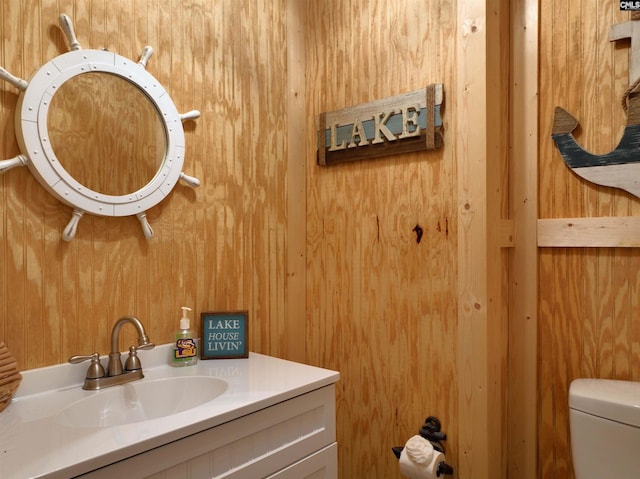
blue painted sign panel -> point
(225, 335)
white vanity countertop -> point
(33, 444)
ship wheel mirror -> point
(100, 133)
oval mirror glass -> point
(106, 133)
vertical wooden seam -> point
(522, 371)
(295, 322)
(497, 203)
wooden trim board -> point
(522, 381)
(603, 232)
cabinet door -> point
(252, 446)
(319, 465)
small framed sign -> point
(224, 335)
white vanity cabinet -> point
(293, 439)
(273, 419)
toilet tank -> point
(605, 428)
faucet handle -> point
(96, 370)
(133, 362)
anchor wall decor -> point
(620, 168)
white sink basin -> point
(141, 401)
(54, 429)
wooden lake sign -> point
(399, 124)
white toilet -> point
(605, 428)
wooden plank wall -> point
(588, 297)
(376, 305)
(385, 310)
(382, 308)
(221, 247)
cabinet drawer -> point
(319, 465)
(251, 446)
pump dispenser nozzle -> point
(185, 323)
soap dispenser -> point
(185, 352)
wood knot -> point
(418, 230)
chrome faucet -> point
(115, 374)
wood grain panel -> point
(381, 307)
(375, 304)
(586, 304)
(220, 247)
